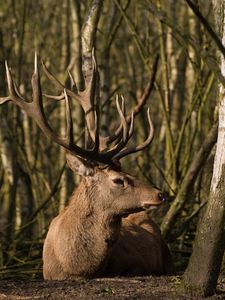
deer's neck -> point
(92, 233)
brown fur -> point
(140, 249)
(92, 238)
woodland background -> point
(134, 40)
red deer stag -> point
(104, 230)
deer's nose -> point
(162, 197)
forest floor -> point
(115, 288)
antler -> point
(101, 151)
(86, 100)
(36, 111)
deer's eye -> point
(118, 181)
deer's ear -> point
(79, 165)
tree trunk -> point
(204, 266)
(88, 37)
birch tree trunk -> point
(204, 266)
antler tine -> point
(121, 111)
(36, 86)
(124, 139)
(36, 109)
(17, 91)
(69, 121)
(9, 83)
(12, 87)
(140, 104)
(57, 98)
(59, 86)
(123, 126)
(72, 81)
(51, 77)
(4, 100)
(9, 80)
(96, 140)
(131, 130)
(146, 143)
(14, 94)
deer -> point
(105, 230)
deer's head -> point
(99, 161)
(115, 191)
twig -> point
(206, 25)
(44, 204)
(49, 197)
